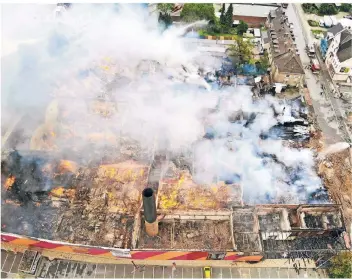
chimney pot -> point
(149, 206)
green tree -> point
(192, 12)
(164, 14)
(165, 19)
(345, 7)
(165, 7)
(241, 51)
(263, 63)
(328, 9)
(341, 266)
(242, 28)
(229, 17)
(310, 8)
(222, 15)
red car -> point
(315, 66)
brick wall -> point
(251, 20)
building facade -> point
(338, 56)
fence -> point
(39, 244)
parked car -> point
(207, 272)
(310, 50)
(315, 66)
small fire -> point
(66, 165)
(9, 182)
(12, 202)
(62, 192)
(58, 192)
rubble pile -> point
(193, 234)
(336, 171)
(182, 193)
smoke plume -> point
(120, 54)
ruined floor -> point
(182, 193)
(336, 171)
(98, 209)
(190, 235)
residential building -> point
(338, 58)
(286, 66)
(254, 15)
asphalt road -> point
(325, 107)
(11, 262)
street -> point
(325, 107)
(11, 262)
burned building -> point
(79, 180)
(134, 199)
(102, 206)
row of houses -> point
(286, 66)
(277, 39)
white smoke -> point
(152, 108)
(334, 148)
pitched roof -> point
(346, 35)
(282, 44)
(280, 33)
(289, 62)
(345, 49)
(265, 37)
(336, 29)
(250, 10)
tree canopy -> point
(341, 265)
(228, 17)
(194, 11)
(241, 50)
(345, 7)
(165, 18)
(242, 28)
(263, 63)
(310, 8)
(164, 14)
(222, 15)
(328, 9)
(165, 7)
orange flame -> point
(58, 192)
(12, 202)
(66, 165)
(9, 182)
(62, 192)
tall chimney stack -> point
(149, 206)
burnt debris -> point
(34, 172)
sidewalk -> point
(327, 80)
